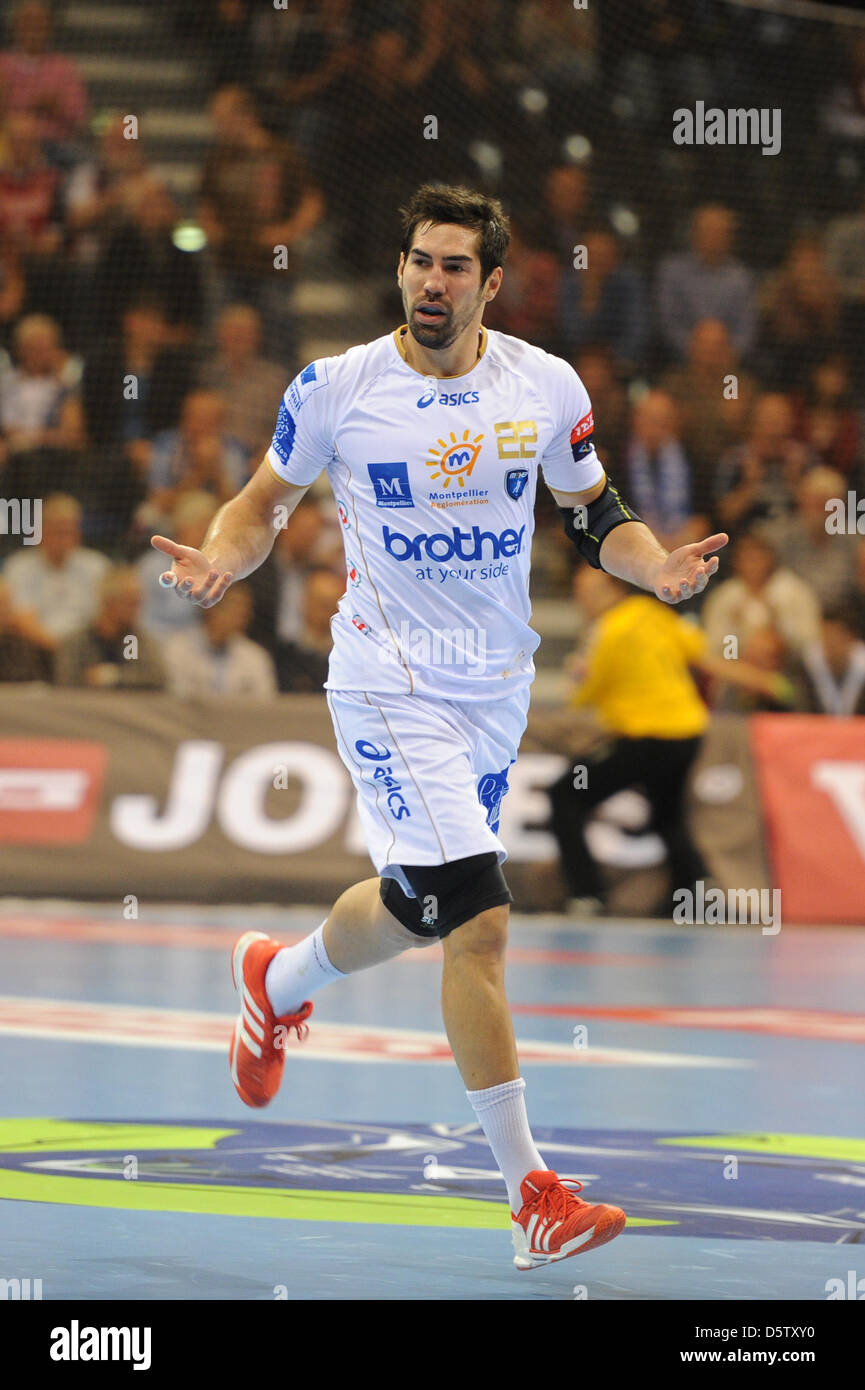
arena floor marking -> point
(180, 936)
(779, 1022)
(127, 1025)
(423, 1175)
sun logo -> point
(455, 460)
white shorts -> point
(430, 774)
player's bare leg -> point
(360, 931)
(549, 1222)
(474, 1003)
(275, 982)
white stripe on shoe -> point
(253, 1008)
(249, 1042)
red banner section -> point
(49, 790)
(811, 773)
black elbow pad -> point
(587, 525)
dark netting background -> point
(147, 335)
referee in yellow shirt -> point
(636, 675)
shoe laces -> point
(552, 1202)
(295, 1022)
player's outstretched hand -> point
(191, 575)
(685, 573)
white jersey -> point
(435, 480)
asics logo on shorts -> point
(384, 777)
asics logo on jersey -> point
(448, 398)
(464, 545)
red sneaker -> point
(554, 1224)
(257, 1052)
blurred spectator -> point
(217, 658)
(110, 653)
(654, 48)
(831, 675)
(842, 113)
(250, 385)
(140, 251)
(659, 476)
(198, 455)
(766, 650)
(845, 257)
(566, 208)
(31, 210)
(21, 659)
(98, 190)
(604, 303)
(300, 52)
(757, 480)
(131, 391)
(256, 195)
(558, 48)
(826, 420)
(526, 306)
(707, 282)
(369, 153)
(760, 594)
(452, 65)
(827, 562)
(635, 673)
(161, 613)
(594, 366)
(41, 419)
(304, 543)
(800, 311)
(714, 398)
(854, 598)
(13, 289)
(46, 85)
(302, 665)
(55, 585)
(224, 32)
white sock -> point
(296, 972)
(501, 1111)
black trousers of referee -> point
(658, 767)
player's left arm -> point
(631, 551)
(605, 530)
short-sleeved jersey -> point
(435, 481)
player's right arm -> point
(239, 539)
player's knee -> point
(448, 896)
(486, 934)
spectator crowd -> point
(713, 302)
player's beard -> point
(445, 334)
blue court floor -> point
(706, 1079)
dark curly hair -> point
(462, 207)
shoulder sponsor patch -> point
(582, 428)
(307, 381)
(283, 435)
(581, 437)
